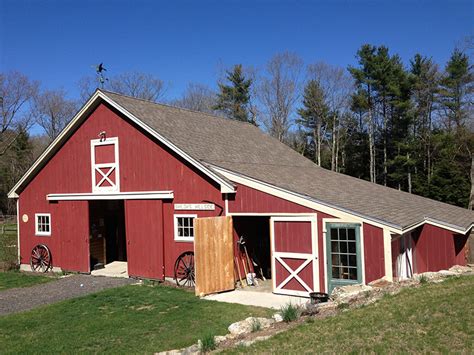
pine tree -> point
(314, 115)
(233, 99)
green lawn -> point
(11, 279)
(130, 319)
(432, 318)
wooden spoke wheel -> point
(40, 260)
(184, 269)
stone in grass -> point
(247, 325)
(347, 294)
(277, 318)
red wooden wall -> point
(373, 253)
(436, 249)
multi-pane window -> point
(344, 253)
(43, 224)
(184, 227)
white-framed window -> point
(43, 224)
(105, 165)
(184, 227)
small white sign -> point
(195, 206)
(24, 218)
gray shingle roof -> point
(245, 149)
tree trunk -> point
(318, 143)
(409, 174)
(333, 151)
(471, 198)
(371, 148)
(385, 171)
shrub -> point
(256, 325)
(423, 279)
(342, 306)
(289, 312)
(208, 343)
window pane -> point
(180, 221)
(351, 234)
(353, 274)
(334, 247)
(335, 260)
(352, 260)
(352, 247)
(336, 273)
(334, 234)
(342, 234)
(343, 246)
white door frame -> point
(313, 257)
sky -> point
(59, 42)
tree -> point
(52, 111)
(139, 85)
(197, 97)
(279, 90)
(233, 99)
(314, 115)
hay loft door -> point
(213, 255)
(105, 165)
(295, 263)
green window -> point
(343, 254)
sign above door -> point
(194, 207)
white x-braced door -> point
(295, 264)
(105, 165)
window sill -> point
(43, 235)
(181, 240)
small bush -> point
(289, 312)
(256, 325)
(342, 306)
(208, 343)
(423, 279)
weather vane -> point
(100, 69)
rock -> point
(459, 269)
(248, 325)
(446, 273)
(380, 283)
(238, 328)
(327, 306)
(277, 318)
(219, 339)
(347, 294)
(310, 309)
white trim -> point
(387, 254)
(39, 233)
(226, 205)
(321, 206)
(139, 195)
(225, 186)
(175, 222)
(270, 214)
(113, 167)
(362, 246)
(312, 257)
(18, 229)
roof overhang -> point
(97, 98)
(138, 195)
(334, 210)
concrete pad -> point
(114, 269)
(259, 299)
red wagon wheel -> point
(40, 258)
(184, 269)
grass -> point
(435, 318)
(12, 279)
(129, 319)
(208, 343)
(289, 312)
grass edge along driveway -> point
(13, 279)
(432, 318)
(129, 319)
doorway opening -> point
(107, 240)
(253, 256)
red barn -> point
(126, 179)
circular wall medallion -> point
(24, 218)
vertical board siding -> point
(436, 249)
(373, 253)
(293, 237)
(144, 237)
(213, 255)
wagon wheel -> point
(184, 269)
(40, 258)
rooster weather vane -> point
(100, 69)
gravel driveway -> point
(22, 299)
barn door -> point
(213, 255)
(105, 165)
(294, 255)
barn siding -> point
(144, 166)
(437, 249)
(373, 253)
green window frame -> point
(343, 256)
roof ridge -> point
(177, 107)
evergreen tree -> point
(314, 115)
(233, 99)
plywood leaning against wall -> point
(213, 255)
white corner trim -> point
(175, 222)
(225, 187)
(139, 195)
(39, 233)
(387, 255)
(18, 230)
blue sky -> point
(57, 42)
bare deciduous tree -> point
(279, 90)
(15, 91)
(337, 86)
(197, 97)
(52, 111)
(140, 85)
